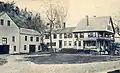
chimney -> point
(64, 25)
(94, 16)
(87, 20)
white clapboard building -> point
(95, 33)
(61, 38)
(16, 39)
(91, 33)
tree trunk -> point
(51, 35)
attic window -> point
(8, 23)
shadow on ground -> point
(3, 61)
(69, 59)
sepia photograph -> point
(59, 36)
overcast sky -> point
(78, 8)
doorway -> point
(60, 43)
(4, 49)
(32, 48)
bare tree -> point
(56, 13)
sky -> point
(77, 9)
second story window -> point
(37, 39)
(76, 35)
(70, 35)
(60, 36)
(47, 36)
(92, 34)
(2, 22)
(8, 23)
(81, 35)
(31, 38)
(65, 35)
(25, 38)
(54, 36)
(13, 39)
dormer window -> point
(8, 23)
(2, 22)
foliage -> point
(32, 21)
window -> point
(2, 22)
(75, 43)
(79, 43)
(4, 40)
(37, 39)
(31, 38)
(54, 36)
(81, 35)
(25, 47)
(13, 39)
(60, 36)
(70, 43)
(39, 47)
(54, 44)
(100, 34)
(91, 43)
(47, 36)
(14, 48)
(70, 35)
(76, 35)
(65, 35)
(8, 23)
(90, 34)
(25, 38)
(65, 43)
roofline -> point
(93, 31)
(29, 34)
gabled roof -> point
(95, 24)
(64, 30)
(19, 21)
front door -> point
(32, 48)
(60, 43)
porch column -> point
(82, 44)
(96, 45)
(104, 46)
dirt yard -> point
(19, 64)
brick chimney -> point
(87, 18)
(64, 25)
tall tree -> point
(56, 13)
